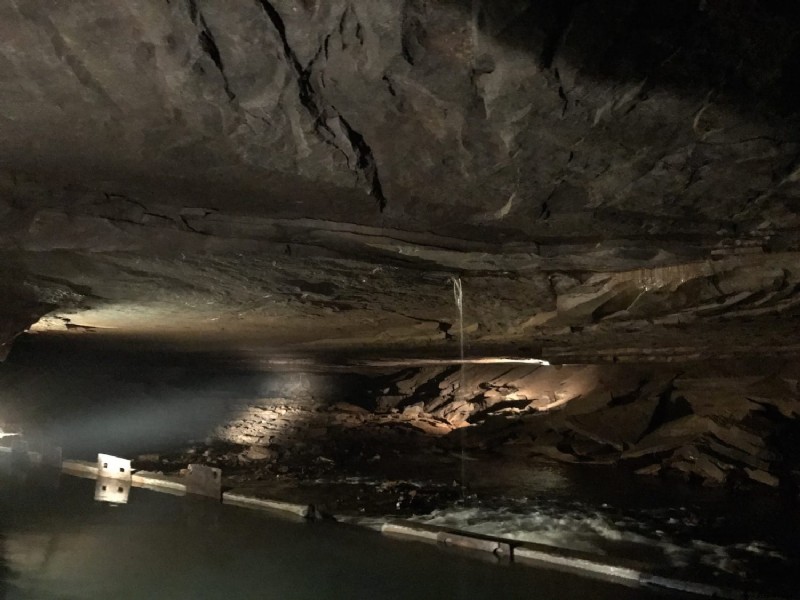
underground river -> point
(56, 542)
(166, 411)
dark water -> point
(145, 402)
(57, 543)
(747, 542)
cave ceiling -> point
(611, 180)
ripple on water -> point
(671, 538)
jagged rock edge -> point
(366, 166)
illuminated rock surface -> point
(610, 179)
(280, 193)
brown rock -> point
(653, 469)
(619, 426)
(691, 460)
(671, 435)
(258, 453)
(762, 476)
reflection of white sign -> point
(112, 490)
(112, 467)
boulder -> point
(258, 453)
(734, 455)
(619, 427)
(588, 403)
(762, 476)
(653, 469)
(693, 461)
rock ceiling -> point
(611, 179)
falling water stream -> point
(458, 294)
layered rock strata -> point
(611, 179)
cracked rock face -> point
(612, 180)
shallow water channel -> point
(56, 542)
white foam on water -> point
(565, 531)
(602, 534)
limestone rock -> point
(762, 476)
(691, 460)
(304, 178)
(619, 426)
(258, 453)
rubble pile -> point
(713, 425)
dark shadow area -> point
(90, 396)
(7, 575)
(741, 52)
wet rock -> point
(414, 410)
(737, 437)
(671, 435)
(735, 456)
(762, 476)
(259, 453)
(346, 407)
(588, 403)
(656, 444)
(692, 461)
(412, 498)
(620, 427)
(145, 458)
(315, 512)
(590, 450)
(653, 469)
(554, 445)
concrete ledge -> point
(159, 483)
(463, 540)
(373, 524)
(80, 468)
(410, 531)
(698, 589)
(560, 559)
(525, 553)
(500, 548)
(235, 498)
(579, 563)
(141, 479)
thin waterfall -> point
(458, 294)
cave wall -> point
(611, 179)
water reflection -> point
(65, 545)
(113, 491)
(7, 586)
(17, 468)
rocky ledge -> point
(702, 424)
(612, 180)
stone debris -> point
(258, 453)
(701, 425)
(619, 426)
(708, 424)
